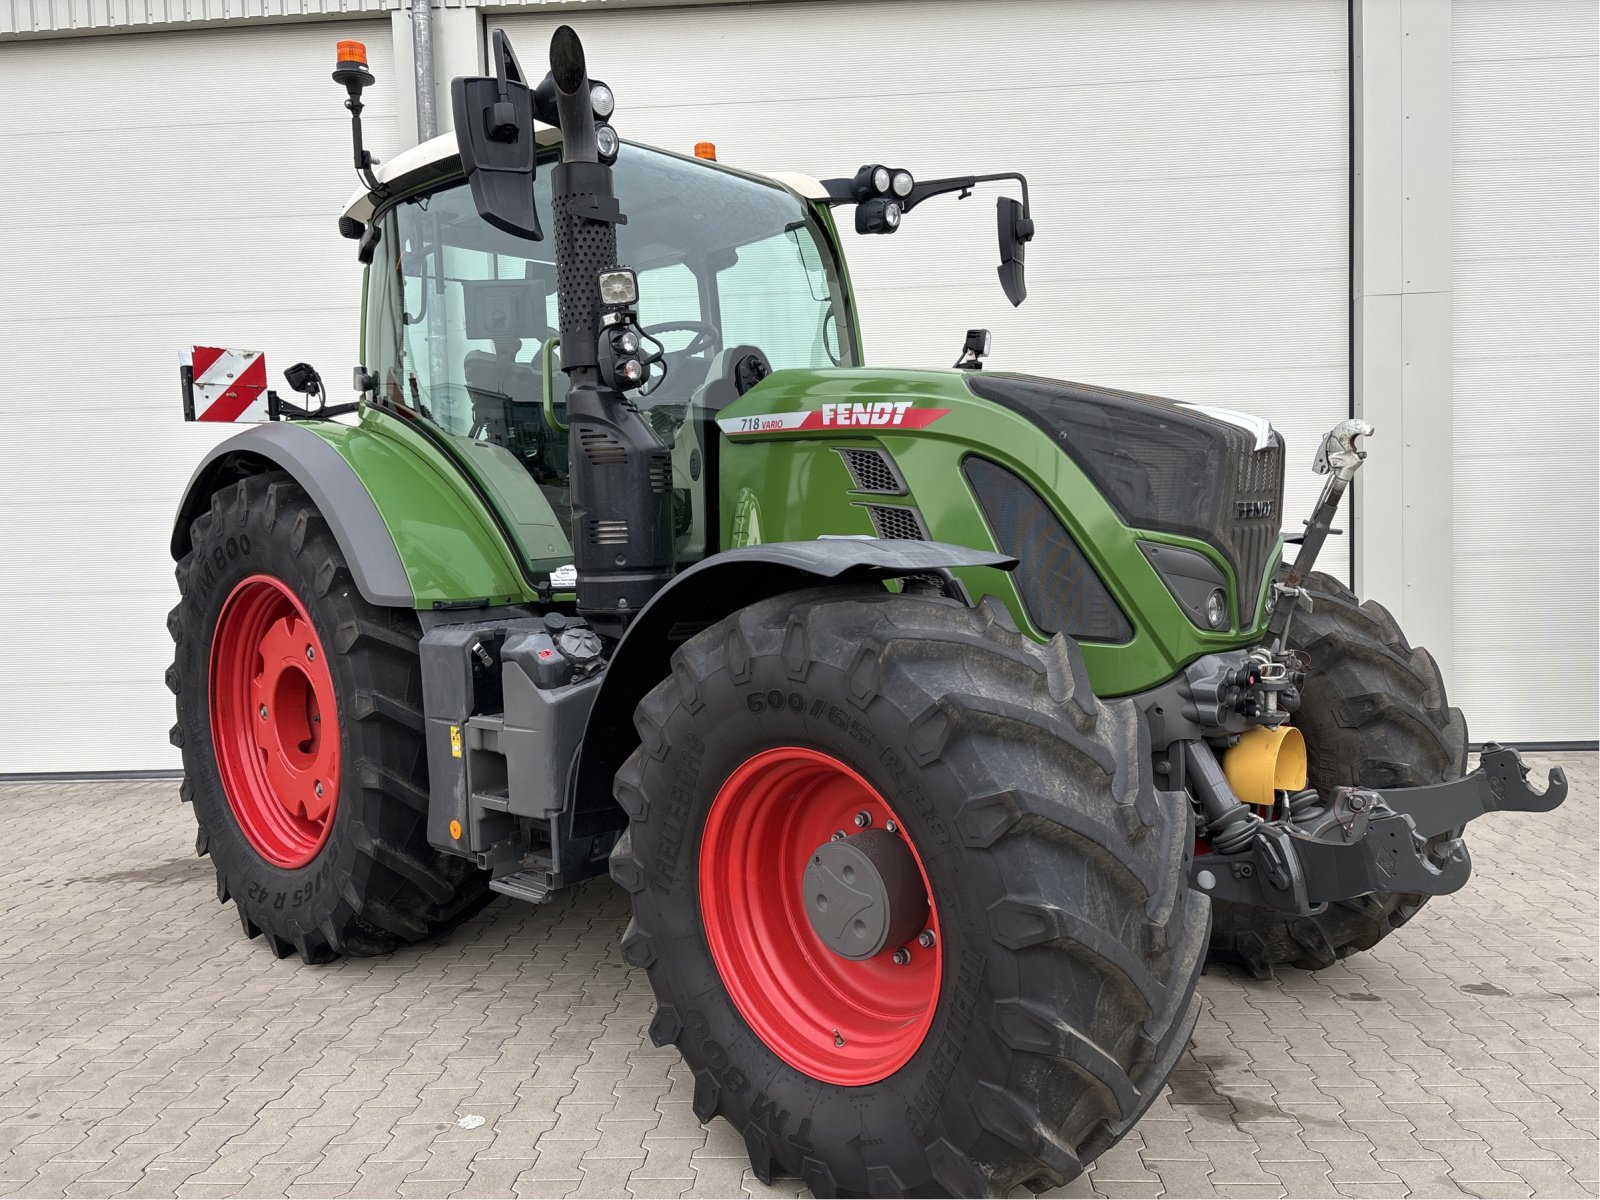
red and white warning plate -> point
(229, 385)
(882, 414)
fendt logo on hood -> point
(889, 412)
(876, 415)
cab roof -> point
(439, 158)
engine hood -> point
(1167, 465)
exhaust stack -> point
(621, 473)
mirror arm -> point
(506, 65)
(963, 184)
(841, 191)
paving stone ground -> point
(147, 1049)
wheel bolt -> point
(925, 939)
(902, 956)
(263, 712)
(891, 827)
(319, 787)
(838, 835)
(863, 820)
(311, 655)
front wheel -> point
(1374, 714)
(909, 903)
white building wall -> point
(189, 196)
(1527, 368)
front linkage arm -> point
(1500, 784)
(1376, 840)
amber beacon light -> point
(352, 67)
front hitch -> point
(1370, 841)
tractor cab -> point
(462, 320)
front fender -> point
(711, 590)
(408, 524)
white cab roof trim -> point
(442, 148)
(805, 186)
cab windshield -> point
(461, 326)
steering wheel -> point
(705, 335)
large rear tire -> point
(300, 721)
(1374, 714)
(1055, 989)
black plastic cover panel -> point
(1160, 465)
(1059, 586)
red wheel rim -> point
(841, 1021)
(274, 722)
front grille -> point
(1256, 507)
(1059, 586)
(1160, 464)
(902, 523)
(872, 471)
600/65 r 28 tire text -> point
(1037, 981)
(300, 722)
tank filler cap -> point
(579, 645)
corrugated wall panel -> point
(23, 19)
(1527, 368)
(56, 18)
(194, 201)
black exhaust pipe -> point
(621, 473)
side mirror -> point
(1016, 231)
(494, 131)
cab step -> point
(530, 886)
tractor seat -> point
(495, 377)
(507, 400)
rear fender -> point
(411, 529)
(711, 590)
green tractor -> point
(940, 724)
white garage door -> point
(1527, 368)
(1187, 160)
(184, 189)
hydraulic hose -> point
(1231, 824)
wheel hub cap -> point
(865, 893)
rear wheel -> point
(299, 718)
(1374, 714)
(908, 901)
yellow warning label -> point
(455, 741)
